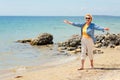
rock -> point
(107, 40)
(111, 46)
(97, 51)
(18, 76)
(42, 39)
(72, 52)
(98, 45)
(61, 48)
(71, 48)
(72, 42)
(117, 48)
(24, 41)
(78, 50)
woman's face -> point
(88, 19)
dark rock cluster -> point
(41, 39)
(73, 44)
(107, 40)
(24, 41)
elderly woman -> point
(87, 39)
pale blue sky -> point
(59, 7)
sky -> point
(59, 7)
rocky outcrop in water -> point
(41, 39)
(74, 41)
(107, 40)
(73, 45)
(24, 41)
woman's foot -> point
(81, 69)
(92, 67)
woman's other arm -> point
(72, 23)
(68, 22)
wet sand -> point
(106, 67)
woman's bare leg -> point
(91, 63)
(82, 65)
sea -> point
(13, 28)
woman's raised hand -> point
(107, 29)
(67, 22)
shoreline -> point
(13, 72)
(107, 67)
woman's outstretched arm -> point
(68, 22)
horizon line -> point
(57, 15)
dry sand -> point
(107, 67)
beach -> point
(22, 61)
(15, 28)
(106, 67)
(49, 39)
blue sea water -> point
(13, 28)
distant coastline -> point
(56, 15)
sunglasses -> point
(87, 18)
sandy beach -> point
(44, 39)
(106, 67)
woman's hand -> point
(107, 29)
(67, 22)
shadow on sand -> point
(106, 68)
